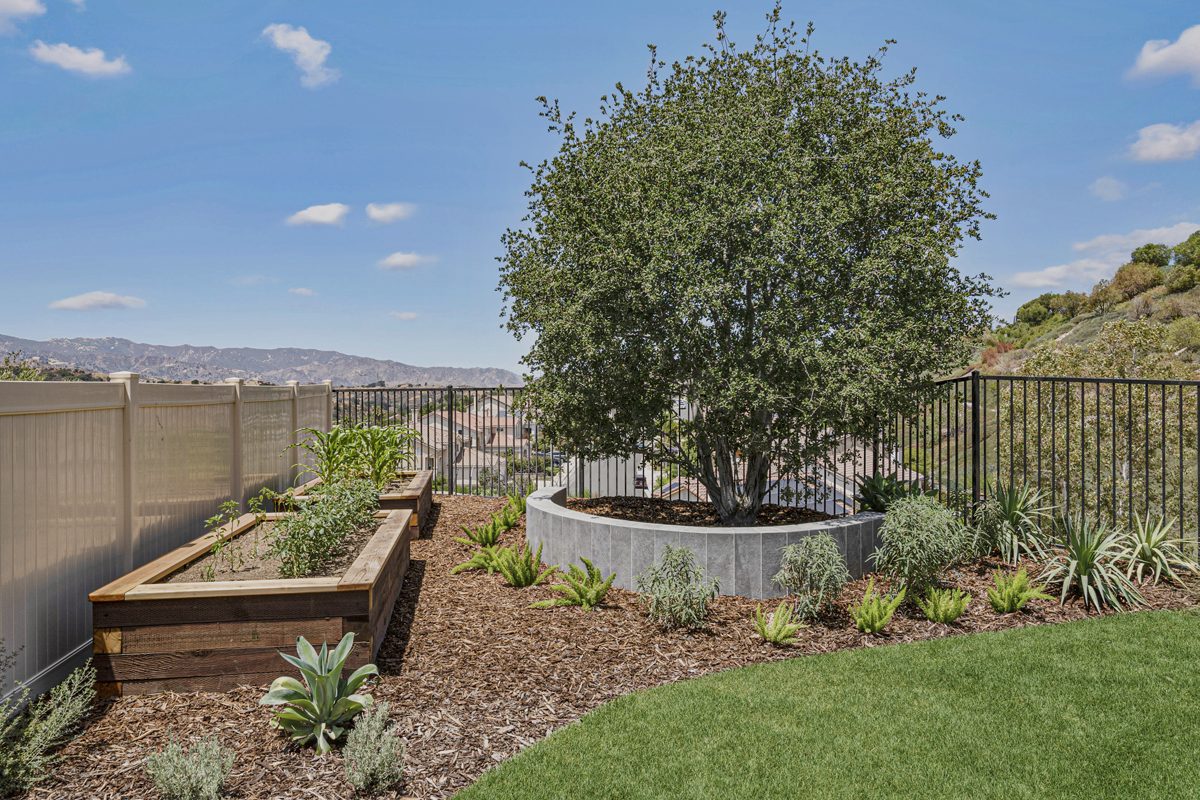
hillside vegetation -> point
(1160, 286)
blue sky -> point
(155, 152)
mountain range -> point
(215, 364)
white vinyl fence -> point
(97, 479)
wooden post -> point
(128, 464)
(328, 404)
(293, 437)
(236, 489)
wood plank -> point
(106, 640)
(200, 683)
(172, 561)
(202, 589)
(245, 608)
(108, 689)
(363, 573)
(359, 626)
(218, 635)
(193, 663)
(386, 590)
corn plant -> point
(1152, 547)
(1012, 592)
(874, 612)
(485, 558)
(582, 588)
(198, 773)
(317, 710)
(520, 567)
(675, 591)
(1088, 563)
(335, 453)
(382, 450)
(777, 628)
(944, 605)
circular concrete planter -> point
(744, 559)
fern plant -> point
(1151, 547)
(481, 535)
(516, 501)
(582, 588)
(944, 605)
(777, 628)
(874, 612)
(485, 558)
(520, 567)
(1012, 592)
(1088, 563)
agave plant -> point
(777, 628)
(317, 710)
(877, 492)
(1013, 517)
(585, 589)
(1152, 547)
(1088, 561)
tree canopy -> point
(763, 234)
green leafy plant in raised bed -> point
(29, 735)
(1151, 546)
(307, 540)
(921, 538)
(334, 453)
(382, 450)
(520, 566)
(317, 710)
(1088, 563)
(1011, 520)
(198, 773)
(944, 605)
(877, 492)
(674, 591)
(779, 627)
(874, 612)
(582, 588)
(813, 572)
(1012, 592)
(484, 558)
(373, 755)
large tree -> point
(763, 233)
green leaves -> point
(944, 605)
(1011, 519)
(675, 591)
(777, 628)
(348, 452)
(877, 492)
(1012, 592)
(874, 612)
(813, 571)
(1087, 563)
(316, 711)
(585, 589)
(520, 567)
(317, 532)
(764, 234)
(1151, 546)
(485, 558)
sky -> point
(338, 175)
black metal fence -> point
(1110, 448)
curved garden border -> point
(743, 559)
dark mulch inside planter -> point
(473, 675)
(681, 512)
(241, 562)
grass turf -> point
(1103, 708)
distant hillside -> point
(215, 364)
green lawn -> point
(1104, 708)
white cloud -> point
(1107, 254)
(15, 10)
(390, 212)
(1166, 142)
(1108, 188)
(308, 53)
(97, 300)
(405, 261)
(404, 315)
(330, 214)
(302, 291)
(88, 62)
(1162, 57)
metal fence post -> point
(451, 439)
(975, 440)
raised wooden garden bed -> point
(416, 496)
(215, 635)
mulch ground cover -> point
(473, 675)
(680, 512)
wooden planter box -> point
(215, 635)
(416, 497)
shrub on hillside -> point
(1182, 278)
(1185, 333)
(1158, 255)
(1188, 251)
(1133, 279)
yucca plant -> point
(944, 605)
(582, 588)
(317, 710)
(1152, 547)
(777, 628)
(1012, 518)
(1012, 592)
(520, 567)
(485, 558)
(874, 612)
(1088, 562)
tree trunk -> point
(735, 489)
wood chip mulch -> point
(473, 675)
(680, 512)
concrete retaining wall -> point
(744, 559)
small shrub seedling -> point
(813, 571)
(777, 628)
(1012, 592)
(198, 773)
(921, 538)
(944, 605)
(675, 591)
(374, 755)
(874, 613)
(585, 589)
(520, 566)
(223, 547)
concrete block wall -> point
(744, 560)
